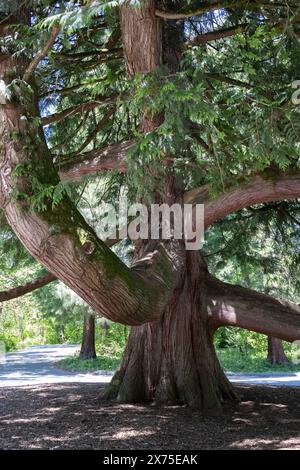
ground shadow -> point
(71, 416)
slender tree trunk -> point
(88, 349)
(21, 327)
(276, 354)
(173, 361)
(62, 333)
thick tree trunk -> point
(173, 360)
(88, 349)
(276, 354)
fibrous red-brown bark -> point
(108, 158)
(259, 189)
(173, 361)
(88, 348)
(276, 354)
(238, 306)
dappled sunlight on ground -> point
(68, 416)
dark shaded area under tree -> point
(72, 417)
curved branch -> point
(98, 54)
(238, 83)
(19, 291)
(62, 241)
(257, 190)
(43, 52)
(205, 8)
(97, 128)
(231, 305)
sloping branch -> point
(237, 306)
(19, 291)
(43, 52)
(98, 54)
(82, 107)
(97, 128)
(70, 89)
(215, 35)
(238, 83)
(205, 8)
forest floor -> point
(72, 416)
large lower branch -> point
(258, 190)
(237, 306)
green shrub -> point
(10, 341)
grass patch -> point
(108, 358)
(232, 360)
(90, 365)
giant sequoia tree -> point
(179, 102)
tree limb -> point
(97, 128)
(211, 6)
(237, 306)
(215, 35)
(71, 89)
(238, 83)
(258, 190)
(98, 54)
(41, 281)
(43, 52)
(19, 291)
(103, 159)
(86, 106)
(205, 8)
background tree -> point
(276, 354)
(88, 348)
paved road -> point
(36, 365)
